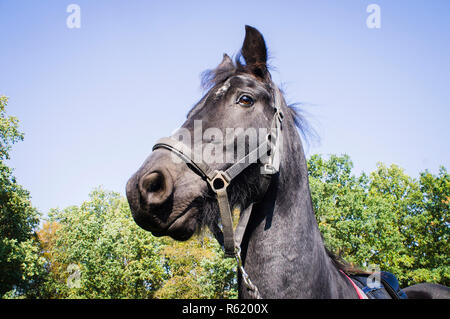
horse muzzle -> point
(159, 205)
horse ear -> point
(220, 73)
(226, 63)
(254, 52)
(223, 69)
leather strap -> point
(186, 154)
(227, 222)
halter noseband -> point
(218, 180)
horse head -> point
(171, 195)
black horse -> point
(280, 246)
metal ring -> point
(218, 182)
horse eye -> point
(245, 100)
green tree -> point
(403, 197)
(387, 219)
(430, 228)
(197, 269)
(21, 265)
(113, 256)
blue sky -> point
(92, 101)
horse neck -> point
(283, 251)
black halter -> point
(268, 153)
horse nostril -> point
(153, 182)
(155, 187)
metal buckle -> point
(219, 181)
(268, 169)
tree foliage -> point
(387, 219)
(20, 262)
(114, 258)
(197, 269)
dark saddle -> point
(383, 285)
